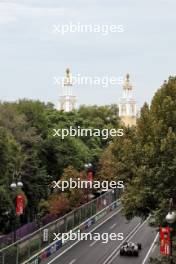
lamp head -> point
(13, 185)
(20, 184)
(171, 217)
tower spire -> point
(127, 84)
(67, 100)
(68, 78)
(127, 104)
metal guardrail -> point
(28, 246)
(56, 245)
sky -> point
(32, 54)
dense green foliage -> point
(27, 145)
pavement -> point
(96, 252)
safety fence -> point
(42, 240)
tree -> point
(154, 182)
(58, 204)
(74, 195)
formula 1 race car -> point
(130, 249)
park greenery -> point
(144, 158)
(27, 146)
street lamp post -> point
(16, 183)
(88, 167)
(170, 219)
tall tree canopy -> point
(27, 145)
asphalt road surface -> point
(95, 252)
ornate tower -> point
(127, 104)
(67, 100)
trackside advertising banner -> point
(165, 241)
(19, 204)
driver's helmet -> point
(131, 244)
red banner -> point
(19, 204)
(165, 241)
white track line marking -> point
(96, 227)
(129, 236)
(153, 249)
(111, 227)
(73, 261)
(150, 249)
(93, 243)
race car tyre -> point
(139, 246)
(121, 252)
